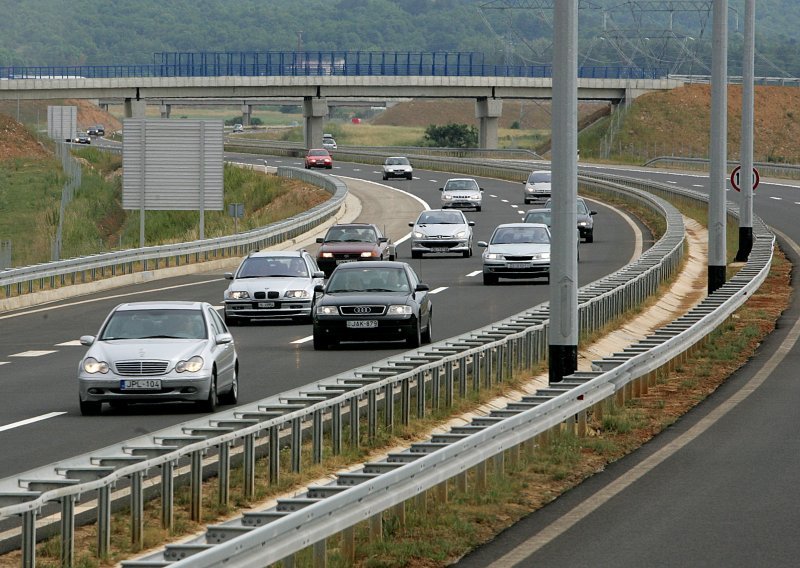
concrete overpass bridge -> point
(315, 79)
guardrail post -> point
(297, 444)
(388, 406)
(349, 546)
(476, 372)
(167, 495)
(487, 366)
(499, 463)
(436, 388)
(137, 510)
(421, 395)
(461, 482)
(103, 521)
(316, 437)
(274, 455)
(224, 450)
(67, 530)
(376, 528)
(355, 430)
(196, 484)
(372, 414)
(336, 429)
(29, 539)
(249, 465)
(462, 377)
(480, 477)
(448, 384)
(405, 402)
(320, 553)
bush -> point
(451, 136)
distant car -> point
(80, 138)
(397, 166)
(350, 242)
(462, 193)
(585, 218)
(441, 231)
(159, 352)
(544, 216)
(318, 158)
(373, 301)
(272, 284)
(537, 186)
(96, 130)
(517, 250)
(238, 128)
(328, 142)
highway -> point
(715, 489)
(39, 349)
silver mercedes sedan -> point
(159, 352)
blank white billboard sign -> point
(62, 122)
(172, 164)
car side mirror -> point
(320, 240)
(471, 223)
(480, 188)
(228, 276)
(483, 244)
(411, 224)
(422, 287)
(318, 274)
(319, 289)
(87, 340)
(383, 239)
(592, 212)
(222, 338)
(441, 189)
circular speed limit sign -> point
(735, 178)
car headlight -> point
(327, 255)
(419, 235)
(542, 256)
(529, 188)
(399, 310)
(296, 293)
(582, 223)
(461, 234)
(447, 197)
(492, 256)
(368, 254)
(92, 366)
(191, 366)
(237, 294)
(327, 310)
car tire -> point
(590, 237)
(416, 254)
(320, 343)
(427, 335)
(229, 320)
(328, 167)
(478, 208)
(414, 338)
(489, 279)
(385, 177)
(209, 405)
(467, 253)
(232, 396)
(409, 177)
(90, 407)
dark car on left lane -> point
(372, 301)
(350, 242)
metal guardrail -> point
(770, 169)
(481, 357)
(28, 279)
(737, 80)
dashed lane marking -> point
(471, 274)
(32, 353)
(303, 340)
(73, 343)
(30, 421)
(437, 290)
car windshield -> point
(154, 324)
(582, 209)
(351, 235)
(318, 153)
(520, 235)
(396, 161)
(461, 184)
(441, 218)
(539, 177)
(368, 280)
(273, 267)
(542, 217)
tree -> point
(451, 136)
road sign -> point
(735, 178)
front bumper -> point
(396, 173)
(443, 245)
(462, 204)
(273, 309)
(334, 328)
(174, 387)
(511, 269)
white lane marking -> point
(671, 181)
(73, 343)
(492, 195)
(503, 200)
(356, 169)
(474, 273)
(303, 339)
(697, 185)
(515, 206)
(31, 353)
(521, 212)
(4, 362)
(776, 198)
(30, 420)
(433, 180)
(437, 290)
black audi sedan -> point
(372, 301)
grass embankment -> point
(94, 221)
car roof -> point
(521, 225)
(539, 210)
(161, 305)
(373, 264)
(275, 253)
(541, 172)
(396, 157)
(358, 225)
(317, 150)
(461, 179)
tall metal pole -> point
(719, 146)
(746, 152)
(563, 332)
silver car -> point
(273, 284)
(441, 231)
(397, 166)
(462, 193)
(517, 250)
(159, 352)
(537, 186)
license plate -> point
(343, 260)
(520, 265)
(440, 249)
(362, 323)
(266, 304)
(140, 384)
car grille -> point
(141, 368)
(362, 310)
(518, 257)
(262, 295)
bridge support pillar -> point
(165, 110)
(314, 111)
(247, 111)
(488, 112)
(135, 108)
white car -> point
(537, 186)
(397, 166)
(159, 352)
(441, 231)
(517, 250)
(462, 193)
(272, 284)
(328, 142)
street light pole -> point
(719, 146)
(746, 151)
